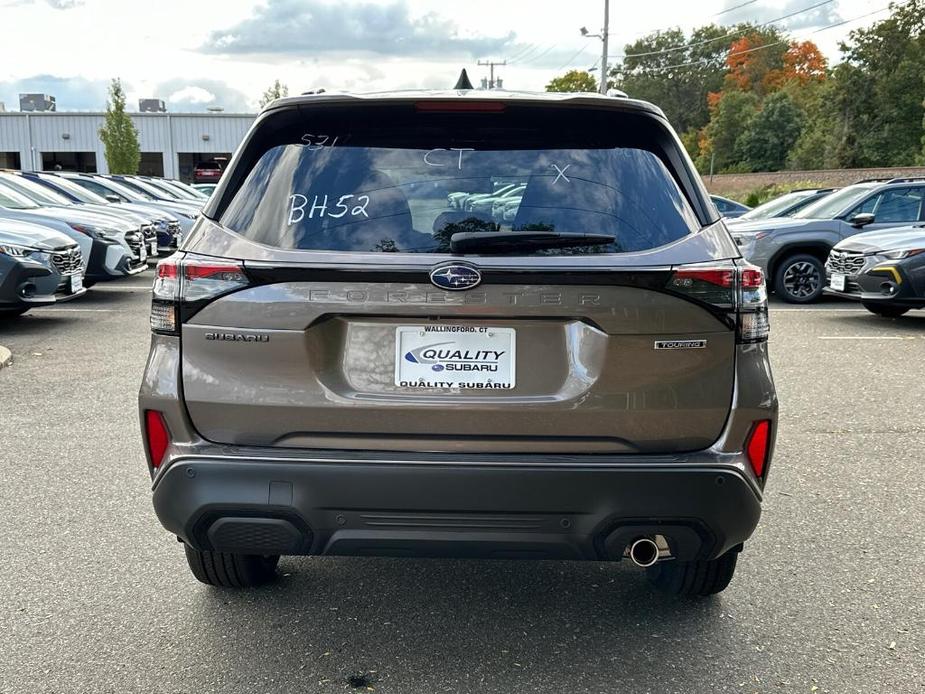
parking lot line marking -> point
(83, 310)
(866, 337)
(818, 310)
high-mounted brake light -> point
(183, 284)
(460, 106)
(757, 446)
(157, 436)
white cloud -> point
(362, 45)
(195, 95)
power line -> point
(520, 58)
(536, 57)
(577, 55)
(737, 7)
(770, 45)
(523, 51)
(724, 36)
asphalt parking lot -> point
(828, 596)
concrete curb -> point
(6, 357)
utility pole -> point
(604, 36)
(490, 64)
(604, 39)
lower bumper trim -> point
(398, 509)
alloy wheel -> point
(802, 280)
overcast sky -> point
(200, 53)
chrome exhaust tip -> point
(644, 552)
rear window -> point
(208, 165)
(402, 181)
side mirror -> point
(861, 220)
(113, 198)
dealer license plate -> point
(838, 283)
(459, 357)
(77, 282)
(152, 248)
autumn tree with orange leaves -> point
(803, 64)
(749, 97)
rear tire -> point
(799, 279)
(885, 311)
(230, 570)
(694, 578)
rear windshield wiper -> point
(501, 241)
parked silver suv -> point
(792, 251)
(343, 362)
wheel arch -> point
(818, 249)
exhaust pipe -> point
(644, 552)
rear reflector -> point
(157, 436)
(460, 106)
(757, 444)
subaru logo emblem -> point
(455, 277)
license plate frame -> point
(77, 282)
(455, 358)
(838, 282)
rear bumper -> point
(704, 506)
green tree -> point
(276, 91)
(119, 135)
(690, 138)
(771, 134)
(676, 72)
(573, 81)
(921, 161)
(879, 90)
(731, 117)
(816, 147)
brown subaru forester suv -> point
(461, 324)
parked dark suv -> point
(344, 364)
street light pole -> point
(604, 38)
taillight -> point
(712, 285)
(157, 435)
(165, 294)
(185, 283)
(757, 446)
(753, 322)
(734, 290)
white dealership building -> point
(171, 143)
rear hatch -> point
(337, 298)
